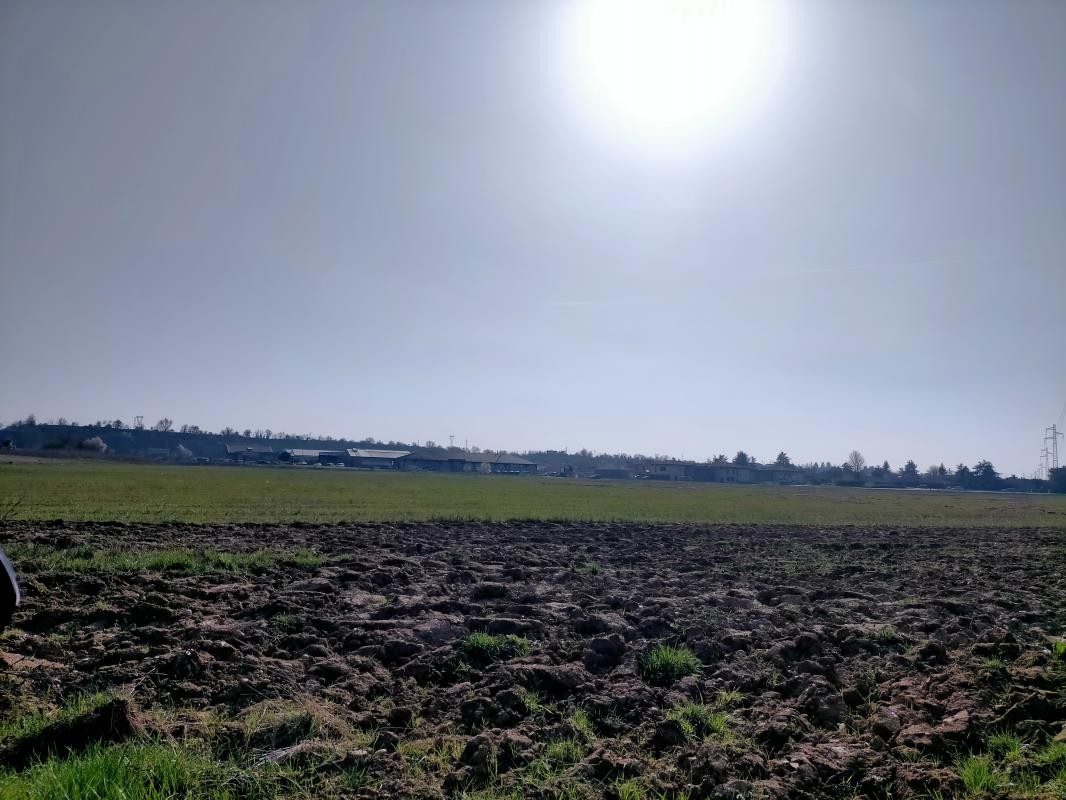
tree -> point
(741, 458)
(164, 425)
(247, 433)
(783, 460)
(720, 459)
(856, 462)
(985, 475)
(942, 471)
(118, 425)
(227, 431)
(909, 471)
(1057, 480)
(963, 476)
(887, 469)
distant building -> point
(615, 473)
(298, 455)
(375, 459)
(719, 473)
(496, 463)
(254, 453)
(668, 470)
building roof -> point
(300, 453)
(501, 458)
(471, 458)
(359, 452)
(248, 448)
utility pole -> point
(1053, 451)
(451, 440)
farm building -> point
(375, 459)
(667, 470)
(720, 473)
(726, 473)
(497, 463)
(615, 473)
(302, 456)
(244, 453)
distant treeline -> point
(163, 439)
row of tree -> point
(982, 475)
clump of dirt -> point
(835, 662)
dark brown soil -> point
(866, 659)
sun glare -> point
(671, 69)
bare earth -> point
(866, 660)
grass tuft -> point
(564, 752)
(663, 664)
(1006, 744)
(980, 776)
(492, 647)
(582, 723)
(700, 719)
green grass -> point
(700, 719)
(1005, 744)
(582, 723)
(493, 647)
(26, 725)
(183, 561)
(980, 776)
(75, 490)
(133, 771)
(664, 664)
(727, 698)
(564, 752)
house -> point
(250, 454)
(375, 459)
(442, 461)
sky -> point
(825, 226)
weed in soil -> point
(663, 664)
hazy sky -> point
(416, 219)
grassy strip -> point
(142, 493)
(183, 561)
(26, 725)
(130, 771)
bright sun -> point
(669, 69)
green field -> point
(74, 490)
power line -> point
(1053, 451)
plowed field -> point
(500, 660)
